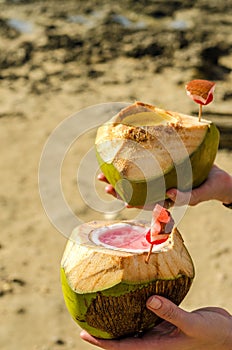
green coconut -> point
(106, 287)
(143, 151)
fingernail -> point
(154, 303)
(108, 189)
(171, 194)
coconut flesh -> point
(106, 280)
(144, 150)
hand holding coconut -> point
(203, 329)
(144, 151)
(108, 272)
(218, 186)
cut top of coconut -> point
(141, 114)
(143, 141)
(93, 264)
(127, 237)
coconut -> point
(106, 279)
(143, 151)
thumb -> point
(170, 312)
(184, 198)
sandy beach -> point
(57, 59)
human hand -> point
(108, 188)
(217, 186)
(150, 206)
(208, 328)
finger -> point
(110, 190)
(184, 198)
(94, 341)
(101, 177)
(124, 344)
(170, 312)
(180, 198)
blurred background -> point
(58, 57)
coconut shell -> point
(106, 290)
(143, 151)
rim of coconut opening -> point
(152, 116)
(95, 237)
